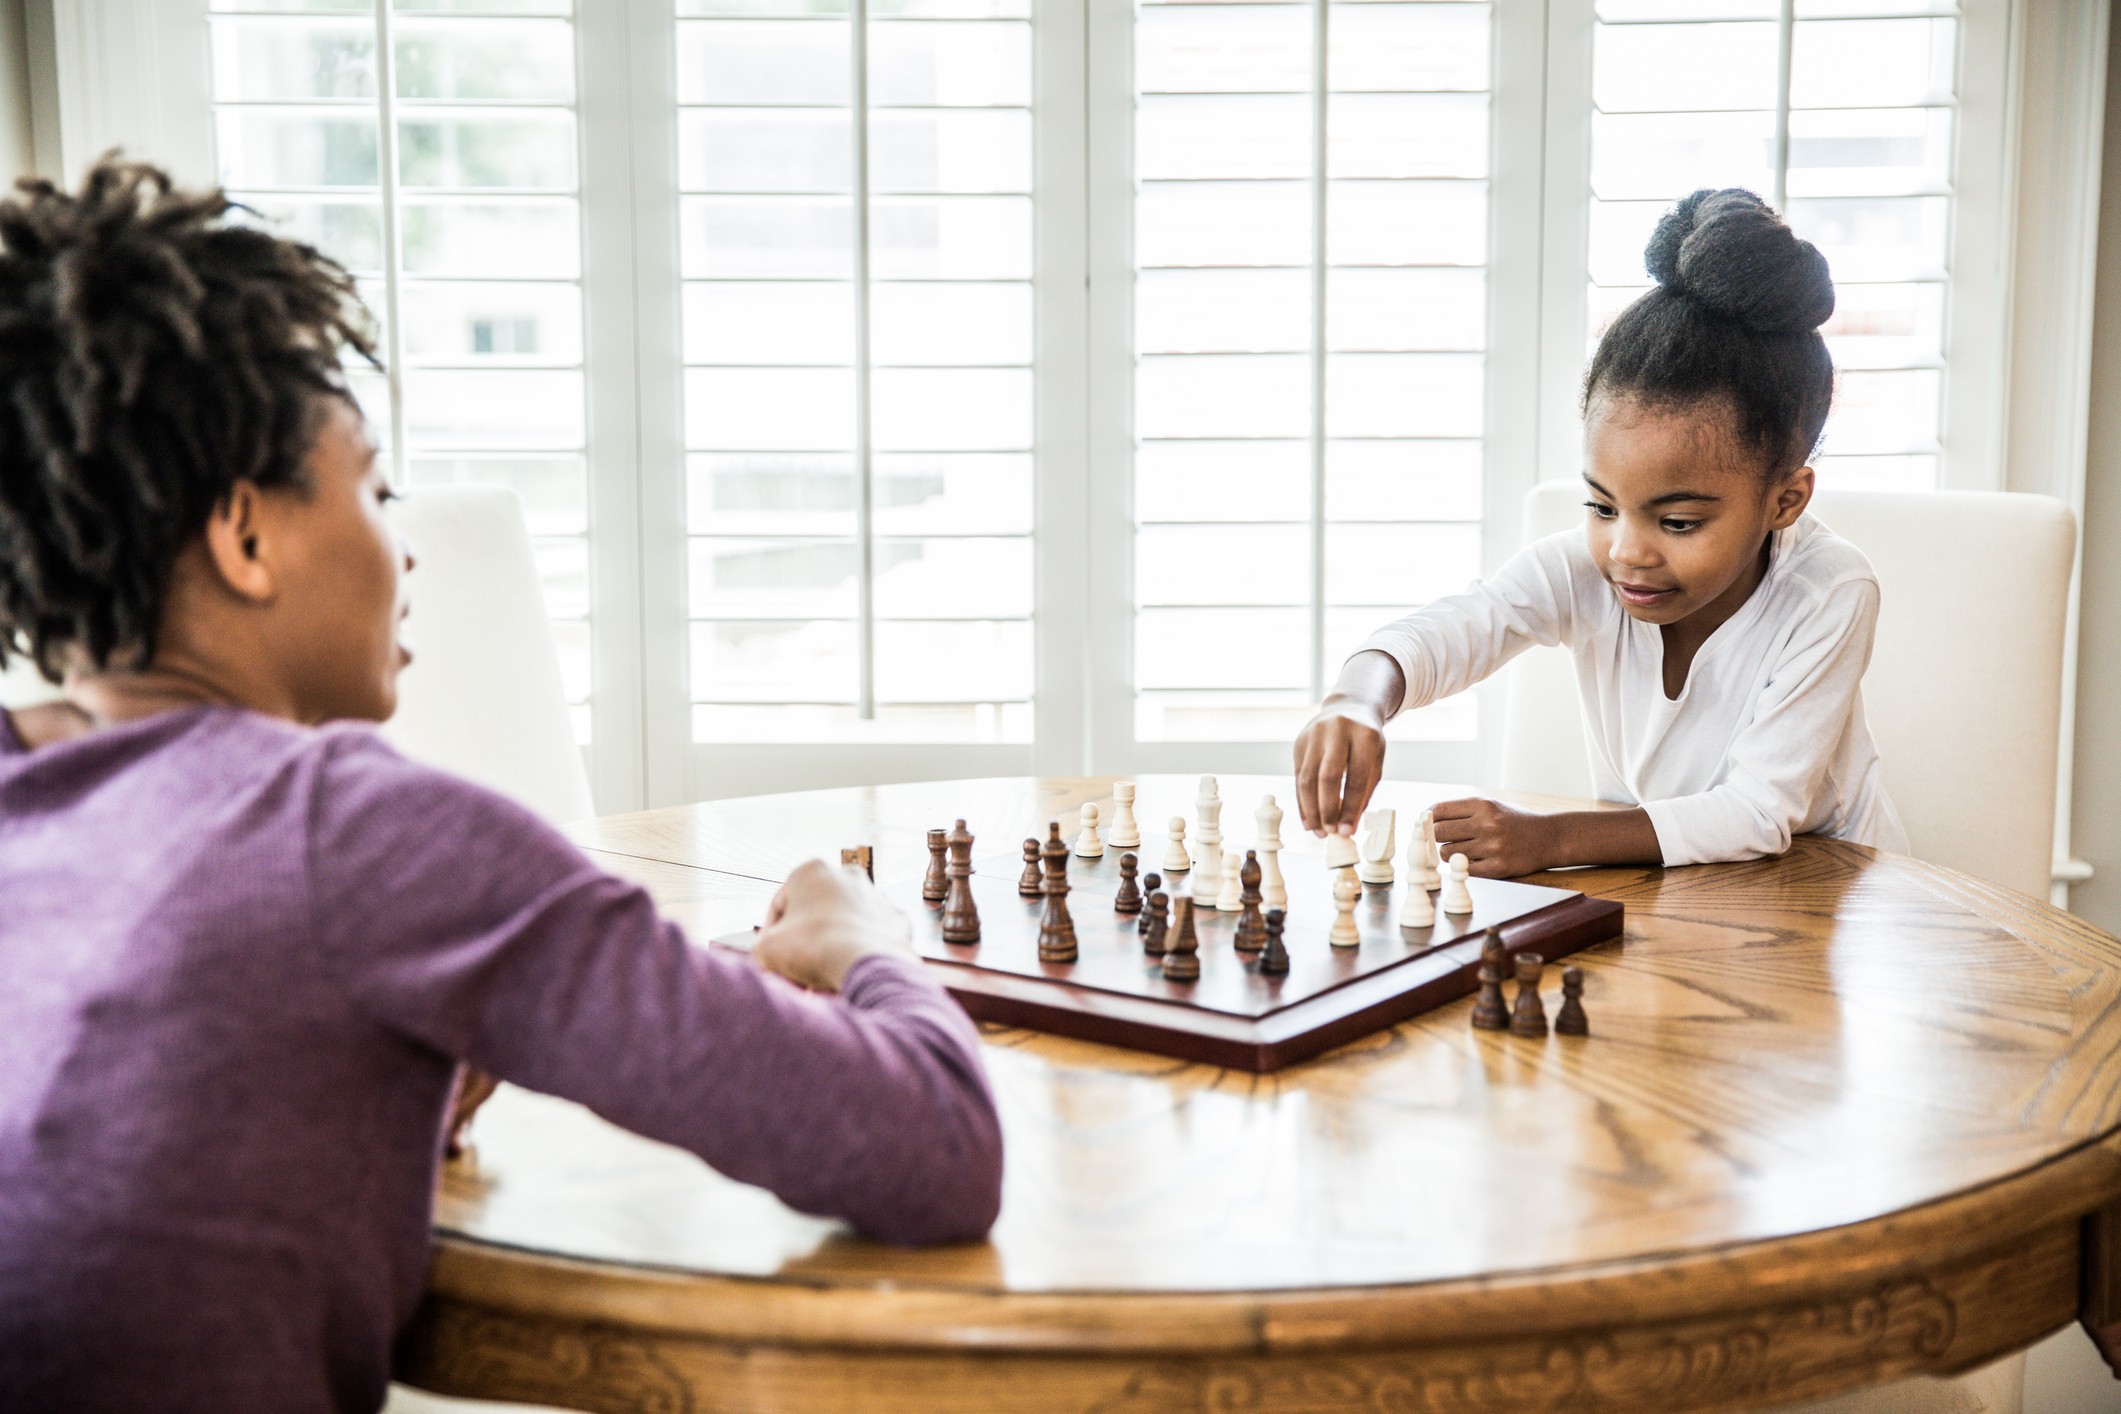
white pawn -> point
(1422, 867)
(1418, 910)
(1207, 879)
(1457, 898)
(1124, 834)
(1273, 892)
(1231, 897)
(1380, 841)
(1087, 844)
(1345, 934)
(1176, 860)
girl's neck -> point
(1683, 640)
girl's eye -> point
(1679, 527)
(1599, 509)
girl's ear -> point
(1790, 497)
(235, 542)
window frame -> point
(136, 73)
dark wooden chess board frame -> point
(1233, 1016)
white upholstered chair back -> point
(483, 696)
(1964, 689)
(21, 686)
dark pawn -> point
(1274, 962)
(1251, 928)
(938, 881)
(1570, 1020)
(1528, 1017)
(960, 914)
(1032, 882)
(1182, 960)
(1154, 927)
(1129, 899)
(1490, 1013)
(1056, 929)
(1150, 884)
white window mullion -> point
(864, 464)
(393, 243)
(1321, 104)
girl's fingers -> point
(1306, 778)
(1330, 771)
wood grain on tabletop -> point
(1862, 1092)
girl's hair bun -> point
(1728, 252)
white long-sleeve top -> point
(1767, 738)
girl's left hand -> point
(1498, 841)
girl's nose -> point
(1632, 550)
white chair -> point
(22, 686)
(483, 696)
(1964, 689)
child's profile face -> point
(1678, 512)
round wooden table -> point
(1842, 1117)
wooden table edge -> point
(1830, 1264)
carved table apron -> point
(1839, 1119)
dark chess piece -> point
(1251, 928)
(1182, 958)
(1129, 898)
(1490, 1013)
(1274, 962)
(937, 882)
(1032, 882)
(1150, 884)
(1056, 928)
(1155, 927)
(960, 914)
(1528, 1017)
(1570, 1020)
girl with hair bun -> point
(1720, 633)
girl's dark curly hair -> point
(154, 352)
(1734, 318)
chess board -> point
(1233, 1015)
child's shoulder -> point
(1815, 562)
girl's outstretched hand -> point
(1340, 754)
(823, 921)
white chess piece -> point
(1230, 898)
(1207, 879)
(1417, 910)
(1421, 868)
(1457, 898)
(1125, 833)
(1380, 841)
(1340, 852)
(1273, 892)
(1345, 934)
(1176, 860)
(1087, 844)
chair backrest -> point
(483, 696)
(22, 686)
(1964, 690)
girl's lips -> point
(1635, 594)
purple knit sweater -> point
(239, 962)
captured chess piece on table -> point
(960, 915)
(1570, 1020)
(1124, 833)
(1089, 844)
(1528, 1017)
(1490, 1012)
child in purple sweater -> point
(243, 953)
